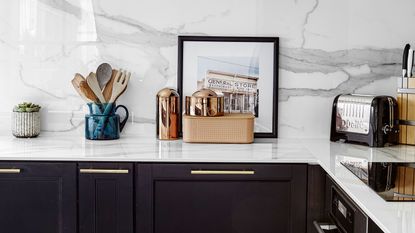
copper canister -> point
(205, 103)
(168, 114)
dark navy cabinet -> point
(106, 200)
(101, 197)
(221, 198)
(38, 197)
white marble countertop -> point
(391, 217)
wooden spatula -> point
(93, 84)
(89, 94)
(76, 82)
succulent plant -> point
(26, 107)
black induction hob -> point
(391, 181)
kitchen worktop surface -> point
(143, 147)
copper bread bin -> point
(204, 103)
(230, 128)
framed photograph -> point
(243, 69)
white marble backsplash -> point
(327, 47)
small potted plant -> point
(26, 120)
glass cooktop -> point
(391, 181)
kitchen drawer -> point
(228, 171)
(221, 198)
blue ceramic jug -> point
(102, 122)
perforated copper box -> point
(230, 128)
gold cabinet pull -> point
(9, 170)
(103, 171)
(222, 172)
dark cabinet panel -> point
(38, 197)
(373, 228)
(220, 198)
(106, 200)
(316, 198)
(221, 206)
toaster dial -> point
(386, 129)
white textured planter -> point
(26, 124)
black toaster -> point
(367, 119)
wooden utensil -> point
(93, 84)
(127, 77)
(119, 86)
(88, 93)
(76, 81)
(108, 88)
(104, 73)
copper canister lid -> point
(206, 103)
(167, 92)
(204, 93)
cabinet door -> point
(221, 198)
(37, 197)
(106, 198)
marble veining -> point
(326, 48)
(307, 16)
(382, 64)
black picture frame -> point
(274, 40)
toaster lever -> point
(390, 127)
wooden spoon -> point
(104, 73)
(93, 84)
(108, 88)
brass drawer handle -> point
(103, 171)
(9, 170)
(222, 172)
